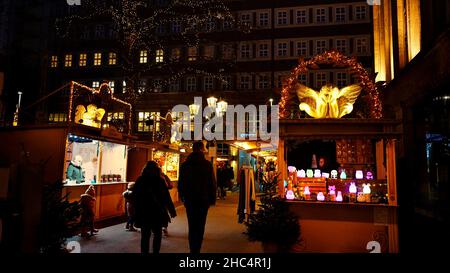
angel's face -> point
(325, 93)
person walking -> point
(153, 206)
(197, 190)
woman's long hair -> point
(151, 169)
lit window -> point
(341, 46)
(155, 116)
(341, 79)
(321, 46)
(282, 18)
(208, 52)
(159, 56)
(57, 117)
(112, 58)
(192, 53)
(68, 60)
(111, 85)
(360, 12)
(321, 79)
(176, 54)
(321, 15)
(301, 16)
(245, 51)
(208, 83)
(83, 59)
(263, 81)
(340, 14)
(124, 86)
(95, 84)
(115, 116)
(361, 46)
(264, 19)
(263, 50)
(143, 56)
(245, 82)
(302, 48)
(282, 49)
(142, 125)
(97, 58)
(191, 84)
(142, 86)
(54, 61)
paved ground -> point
(223, 234)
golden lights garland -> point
(338, 59)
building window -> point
(99, 31)
(361, 46)
(111, 85)
(245, 82)
(263, 50)
(115, 116)
(321, 15)
(321, 46)
(191, 84)
(57, 117)
(95, 84)
(192, 53)
(360, 12)
(227, 52)
(245, 51)
(340, 14)
(302, 48)
(143, 55)
(208, 83)
(124, 87)
(83, 59)
(54, 61)
(68, 60)
(301, 16)
(263, 82)
(208, 52)
(112, 58)
(282, 49)
(176, 27)
(282, 18)
(226, 83)
(142, 124)
(159, 56)
(303, 78)
(246, 19)
(341, 45)
(174, 86)
(98, 58)
(264, 19)
(176, 54)
(341, 79)
(321, 79)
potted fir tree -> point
(273, 224)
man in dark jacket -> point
(197, 189)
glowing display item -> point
(291, 169)
(343, 175)
(290, 195)
(326, 175)
(334, 174)
(317, 174)
(89, 116)
(301, 173)
(332, 193)
(369, 175)
(306, 193)
(361, 197)
(366, 192)
(339, 196)
(212, 102)
(320, 196)
(359, 174)
(352, 189)
(309, 173)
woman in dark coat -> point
(153, 206)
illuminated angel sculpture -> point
(91, 117)
(330, 102)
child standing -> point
(87, 204)
(129, 206)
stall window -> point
(142, 125)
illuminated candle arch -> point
(330, 57)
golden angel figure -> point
(330, 102)
(91, 117)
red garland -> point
(329, 57)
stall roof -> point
(338, 128)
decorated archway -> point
(369, 98)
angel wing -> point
(79, 112)
(346, 98)
(311, 102)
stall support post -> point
(282, 167)
(391, 172)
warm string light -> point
(338, 59)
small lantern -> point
(317, 173)
(309, 173)
(301, 173)
(339, 196)
(212, 102)
(222, 107)
(359, 174)
(343, 175)
(334, 174)
(369, 175)
(193, 109)
(320, 196)
(290, 195)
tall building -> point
(251, 64)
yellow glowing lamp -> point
(212, 101)
(193, 109)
